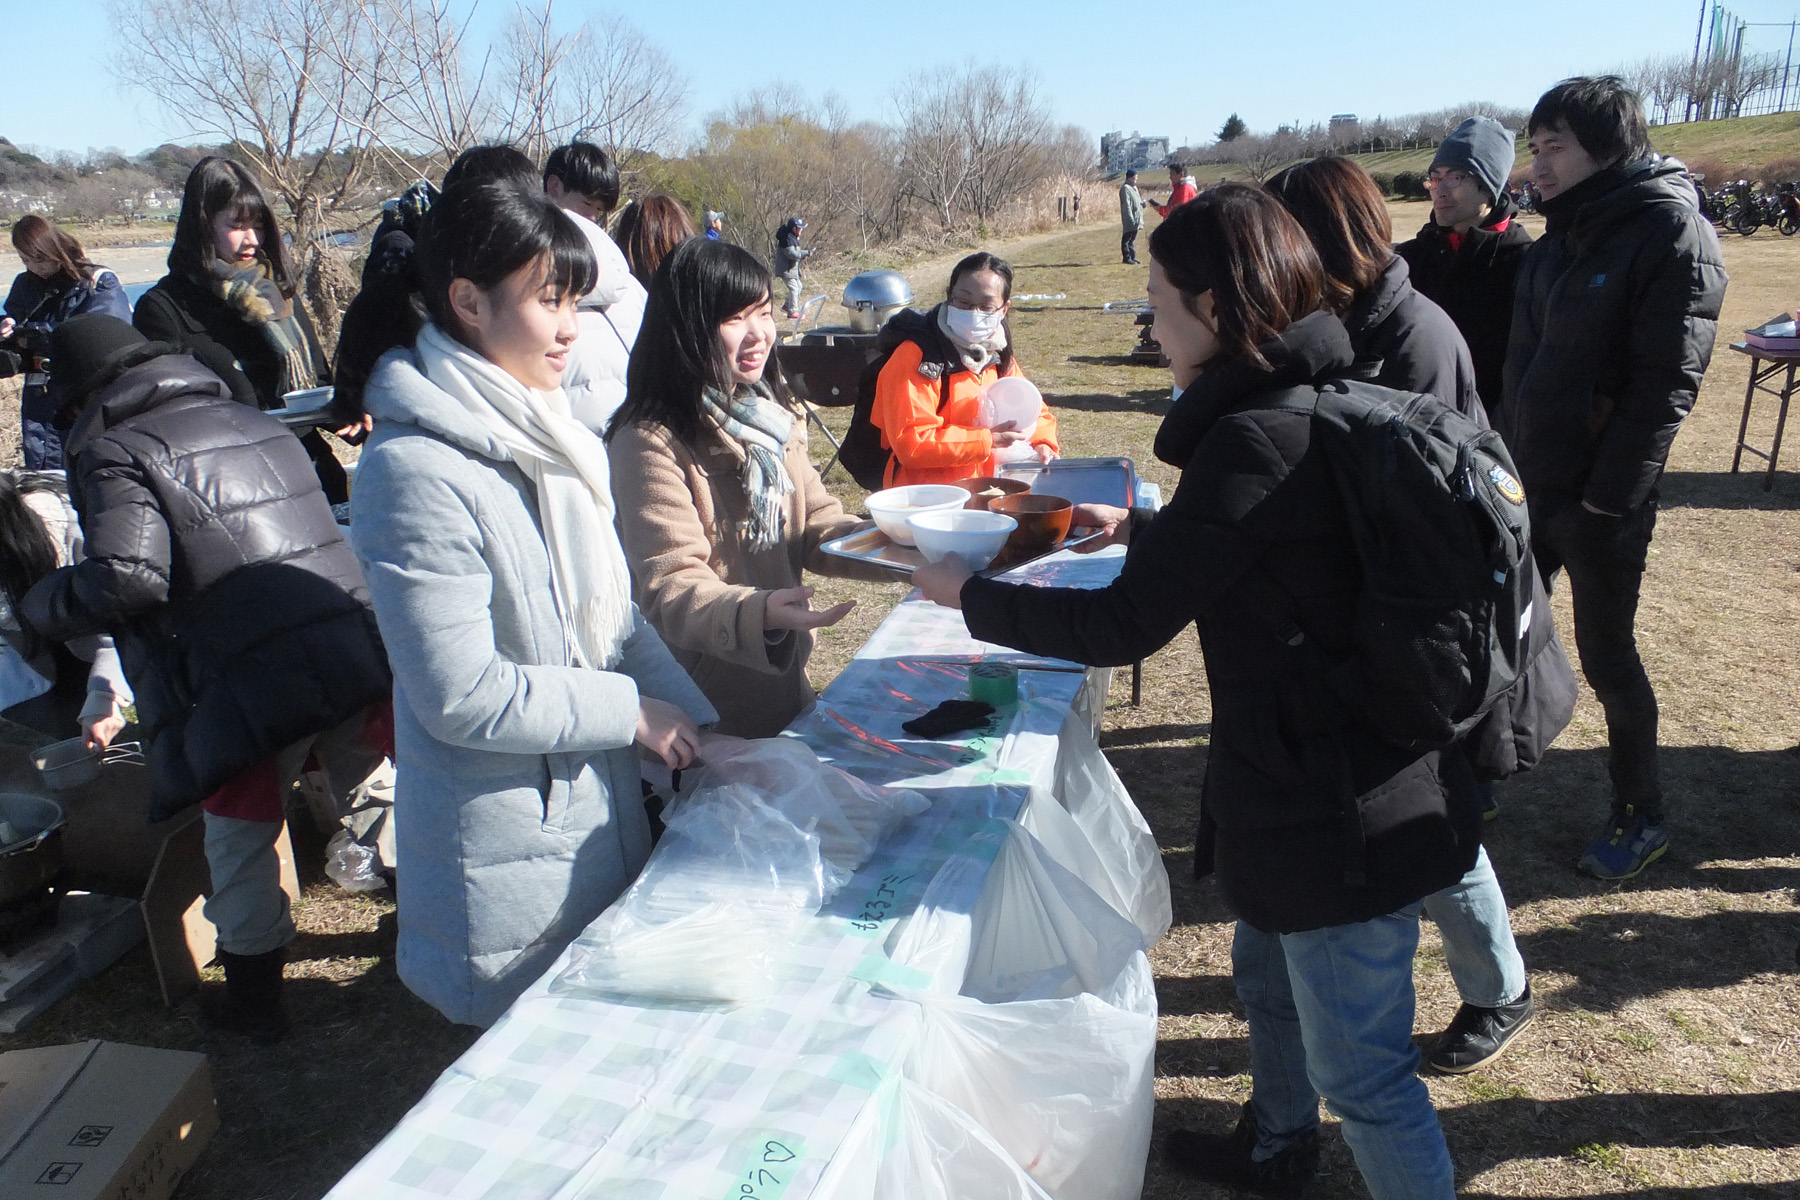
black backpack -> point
(861, 450)
(1453, 637)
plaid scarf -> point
(759, 423)
(253, 294)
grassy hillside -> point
(1742, 146)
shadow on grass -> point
(1108, 360)
(1152, 402)
(1725, 491)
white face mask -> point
(972, 327)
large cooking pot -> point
(874, 296)
(31, 859)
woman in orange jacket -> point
(928, 395)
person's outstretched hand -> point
(787, 608)
(942, 581)
(1113, 522)
(667, 732)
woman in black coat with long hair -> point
(231, 299)
(1254, 548)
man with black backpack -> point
(1613, 323)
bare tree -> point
(1260, 157)
(971, 142)
(1742, 77)
(624, 92)
(438, 100)
(531, 55)
(262, 76)
(935, 162)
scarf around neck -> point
(761, 426)
(976, 357)
(567, 465)
(254, 295)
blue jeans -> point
(1478, 939)
(1331, 1013)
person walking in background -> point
(1131, 217)
(1466, 258)
(1613, 321)
(1413, 347)
(524, 677)
(727, 508)
(583, 179)
(231, 299)
(788, 256)
(1182, 188)
(240, 615)
(58, 283)
(715, 225)
(648, 228)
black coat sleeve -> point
(1193, 551)
(159, 318)
(129, 552)
(1676, 296)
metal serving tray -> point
(870, 545)
(305, 409)
(1080, 480)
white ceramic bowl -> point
(1012, 398)
(972, 535)
(892, 507)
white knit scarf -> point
(566, 462)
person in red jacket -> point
(1182, 188)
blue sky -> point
(1174, 67)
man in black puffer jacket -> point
(239, 611)
(1466, 258)
(1612, 330)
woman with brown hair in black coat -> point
(231, 300)
(1255, 549)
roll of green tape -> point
(994, 683)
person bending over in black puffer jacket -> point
(239, 612)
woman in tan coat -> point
(719, 507)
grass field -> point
(1735, 148)
(1665, 1061)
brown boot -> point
(251, 1004)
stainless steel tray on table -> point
(1080, 480)
(870, 545)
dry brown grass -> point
(1664, 1063)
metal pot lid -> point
(877, 289)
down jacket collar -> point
(399, 392)
(1617, 193)
(148, 385)
(1312, 350)
(1378, 301)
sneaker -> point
(1630, 844)
(1477, 1036)
(1226, 1159)
(1490, 805)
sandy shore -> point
(132, 264)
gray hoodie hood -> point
(399, 393)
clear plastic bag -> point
(718, 902)
(850, 817)
(352, 865)
(1049, 1048)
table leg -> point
(1744, 422)
(1787, 393)
(1137, 682)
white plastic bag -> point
(717, 904)
(1050, 1046)
(851, 817)
(352, 865)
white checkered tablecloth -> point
(578, 1095)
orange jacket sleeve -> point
(906, 412)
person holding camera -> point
(58, 282)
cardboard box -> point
(101, 1121)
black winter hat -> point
(88, 352)
(1483, 147)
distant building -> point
(1342, 120)
(1119, 153)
